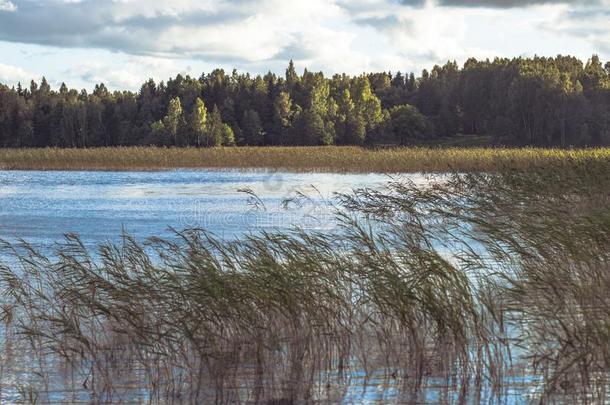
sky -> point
(122, 43)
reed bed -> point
(332, 159)
(462, 286)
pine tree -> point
(292, 77)
(215, 130)
(228, 137)
(282, 117)
(252, 128)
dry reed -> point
(333, 159)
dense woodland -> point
(538, 101)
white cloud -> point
(159, 38)
(128, 74)
(7, 5)
(588, 23)
(12, 74)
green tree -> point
(215, 129)
(292, 77)
(174, 120)
(595, 75)
(282, 117)
(367, 104)
(198, 120)
(252, 128)
(158, 133)
(408, 124)
(350, 124)
(355, 133)
(228, 137)
(311, 129)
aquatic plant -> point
(460, 287)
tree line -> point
(539, 101)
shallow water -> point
(41, 206)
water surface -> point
(42, 206)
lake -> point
(42, 206)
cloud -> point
(590, 24)
(419, 33)
(12, 74)
(242, 30)
(240, 33)
(510, 3)
(159, 38)
(129, 74)
(7, 5)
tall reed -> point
(460, 287)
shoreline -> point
(331, 159)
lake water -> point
(41, 206)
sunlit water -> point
(41, 206)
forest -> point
(539, 101)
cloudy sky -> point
(124, 42)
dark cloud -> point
(295, 51)
(104, 25)
(388, 23)
(411, 3)
(359, 7)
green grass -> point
(332, 159)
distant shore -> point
(297, 159)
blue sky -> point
(124, 42)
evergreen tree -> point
(292, 77)
(282, 117)
(158, 132)
(346, 119)
(355, 129)
(558, 101)
(215, 129)
(252, 128)
(228, 137)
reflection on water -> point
(42, 206)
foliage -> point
(409, 124)
(536, 101)
(174, 120)
(228, 137)
(252, 128)
(197, 122)
(215, 129)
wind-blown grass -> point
(333, 159)
(462, 285)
